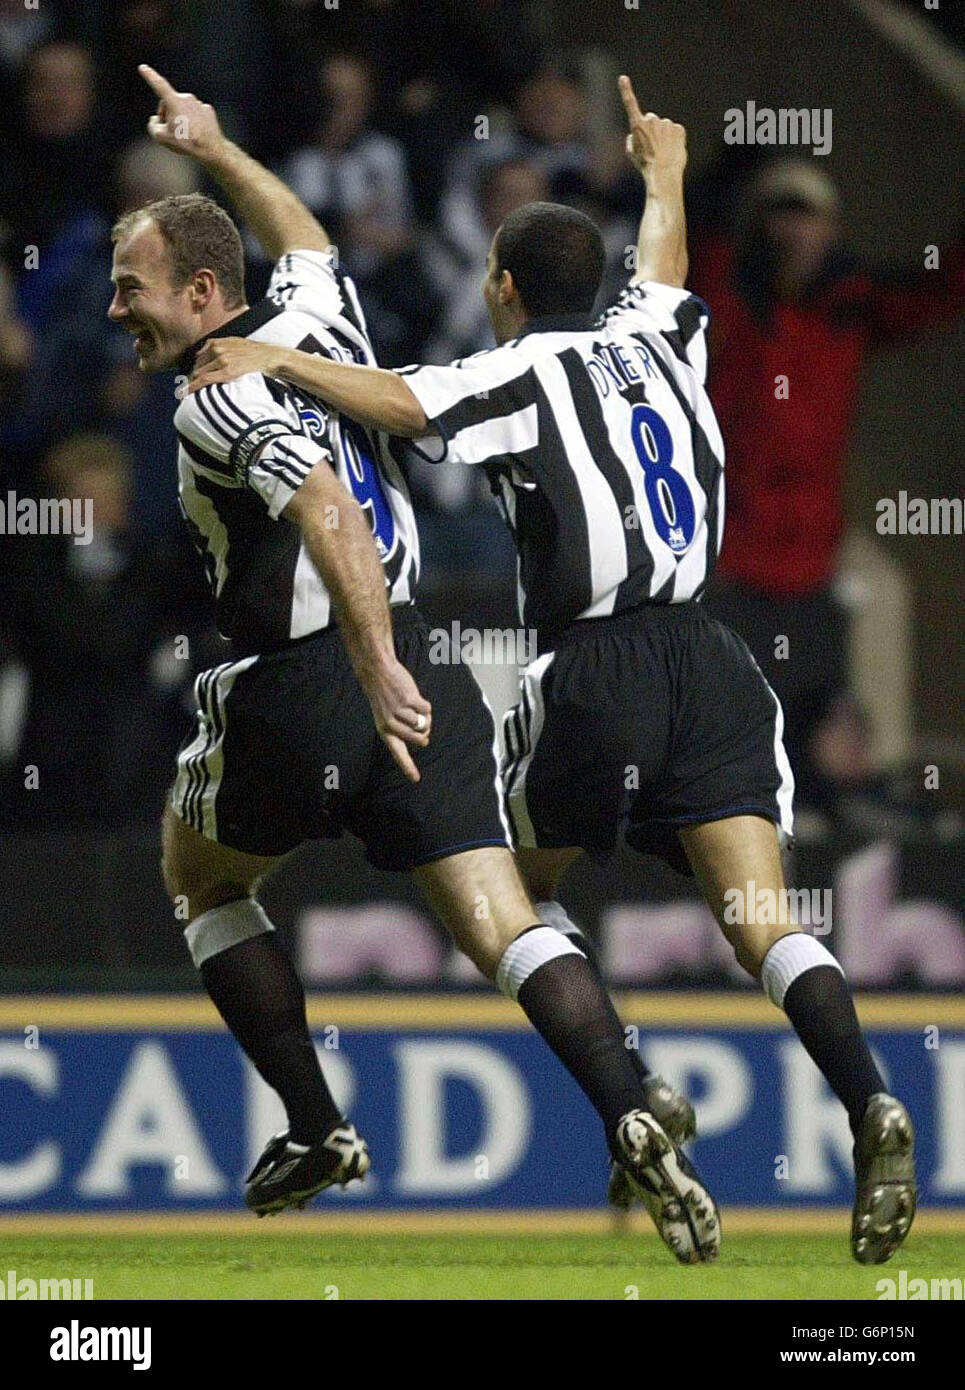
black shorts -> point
(653, 720)
(285, 750)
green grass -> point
(470, 1266)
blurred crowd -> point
(411, 152)
(411, 127)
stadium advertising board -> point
(119, 1104)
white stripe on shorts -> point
(526, 720)
(785, 792)
(201, 763)
(497, 779)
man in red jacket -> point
(794, 317)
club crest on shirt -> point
(313, 419)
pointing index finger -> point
(629, 99)
(158, 84)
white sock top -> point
(789, 957)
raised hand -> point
(182, 123)
(653, 143)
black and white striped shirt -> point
(602, 445)
(246, 446)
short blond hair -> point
(199, 235)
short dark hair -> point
(555, 256)
(199, 235)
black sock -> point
(258, 994)
(583, 943)
(640, 1066)
(820, 1006)
(566, 1002)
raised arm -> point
(373, 396)
(658, 149)
(278, 218)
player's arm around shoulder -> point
(217, 418)
(374, 396)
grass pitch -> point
(240, 1264)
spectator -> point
(439, 65)
(547, 133)
(160, 32)
(93, 626)
(551, 115)
(479, 56)
(354, 179)
(84, 375)
(791, 306)
(460, 526)
(464, 323)
(21, 29)
(57, 156)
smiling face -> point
(163, 319)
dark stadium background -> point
(89, 690)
